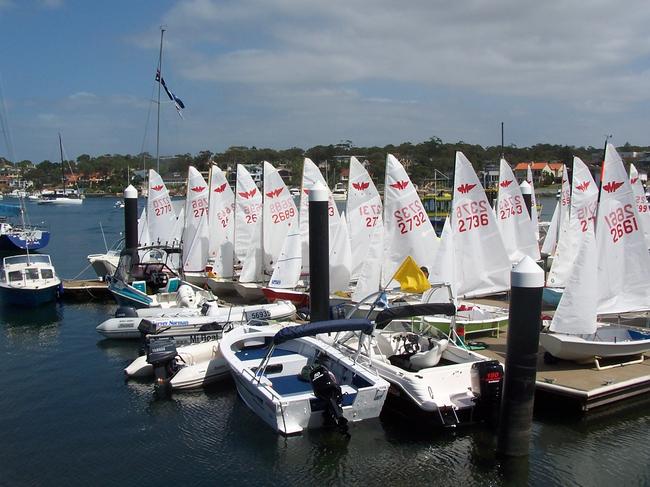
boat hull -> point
(29, 297)
(552, 295)
(585, 348)
(18, 241)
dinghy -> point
(129, 323)
(609, 277)
(641, 202)
(429, 374)
(293, 381)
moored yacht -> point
(28, 280)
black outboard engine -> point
(126, 312)
(490, 373)
(325, 387)
(162, 355)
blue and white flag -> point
(178, 103)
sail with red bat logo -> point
(407, 228)
(582, 217)
(642, 206)
(195, 234)
(161, 217)
(512, 218)
(623, 259)
(482, 265)
(248, 215)
(221, 224)
(310, 175)
(280, 216)
(364, 213)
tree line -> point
(110, 172)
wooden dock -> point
(584, 386)
(84, 290)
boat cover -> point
(387, 315)
(330, 326)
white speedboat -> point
(131, 323)
(432, 378)
(294, 381)
(28, 280)
(340, 192)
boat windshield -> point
(15, 276)
(32, 273)
(27, 259)
(47, 274)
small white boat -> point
(439, 381)
(340, 192)
(28, 280)
(294, 381)
(131, 323)
(118, 204)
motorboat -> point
(130, 323)
(28, 280)
(340, 192)
(294, 381)
(183, 362)
(147, 278)
(432, 375)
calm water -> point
(69, 418)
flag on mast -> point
(178, 103)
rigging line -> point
(146, 126)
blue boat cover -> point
(9, 210)
(330, 326)
(408, 311)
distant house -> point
(541, 170)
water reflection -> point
(39, 324)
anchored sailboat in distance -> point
(65, 196)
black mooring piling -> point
(130, 218)
(527, 282)
(527, 193)
(319, 265)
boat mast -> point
(62, 168)
(162, 32)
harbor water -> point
(68, 417)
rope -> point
(82, 271)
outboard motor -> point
(325, 387)
(162, 355)
(490, 373)
(126, 312)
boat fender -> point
(126, 312)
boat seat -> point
(430, 358)
(384, 345)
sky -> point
(297, 73)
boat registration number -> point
(257, 314)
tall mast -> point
(62, 168)
(162, 32)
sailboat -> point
(513, 221)
(642, 206)
(65, 196)
(581, 218)
(20, 236)
(609, 277)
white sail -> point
(482, 264)
(444, 268)
(623, 259)
(221, 224)
(195, 234)
(369, 281)
(582, 217)
(310, 175)
(279, 217)
(576, 312)
(340, 257)
(248, 214)
(143, 229)
(513, 220)
(364, 212)
(565, 208)
(533, 202)
(161, 218)
(407, 228)
(286, 272)
(641, 202)
(550, 240)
